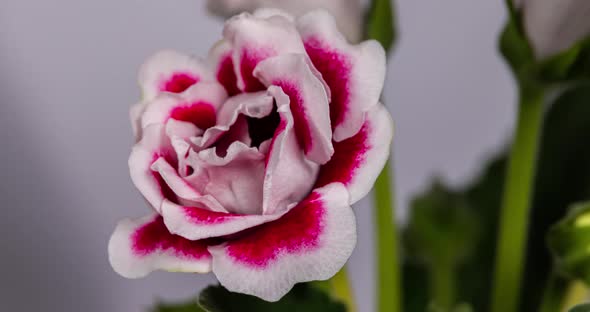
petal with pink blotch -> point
(198, 223)
(138, 247)
(310, 242)
(155, 144)
(358, 160)
(289, 174)
(171, 71)
(220, 56)
(255, 38)
(197, 105)
(354, 73)
(308, 101)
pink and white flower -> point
(252, 159)
(348, 13)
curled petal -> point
(358, 160)
(256, 38)
(197, 223)
(310, 242)
(223, 65)
(171, 71)
(308, 100)
(236, 179)
(197, 105)
(289, 174)
(153, 146)
(138, 247)
(255, 105)
(354, 73)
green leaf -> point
(563, 178)
(302, 297)
(581, 308)
(441, 227)
(190, 306)
(569, 241)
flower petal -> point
(236, 179)
(256, 105)
(554, 26)
(221, 58)
(197, 223)
(197, 105)
(153, 145)
(308, 100)
(354, 73)
(311, 242)
(358, 160)
(138, 247)
(256, 38)
(171, 71)
(348, 13)
(289, 174)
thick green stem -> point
(341, 289)
(515, 204)
(555, 293)
(388, 275)
(442, 285)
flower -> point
(252, 159)
(348, 13)
(553, 26)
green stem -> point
(342, 290)
(555, 293)
(515, 203)
(388, 288)
(442, 285)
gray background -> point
(67, 78)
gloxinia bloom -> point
(348, 13)
(252, 159)
(554, 25)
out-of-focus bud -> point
(569, 241)
(553, 26)
(348, 13)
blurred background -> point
(68, 76)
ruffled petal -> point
(221, 58)
(171, 71)
(236, 179)
(197, 223)
(138, 247)
(358, 160)
(310, 242)
(289, 174)
(255, 38)
(348, 13)
(154, 145)
(354, 73)
(308, 100)
(255, 105)
(197, 105)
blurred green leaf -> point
(563, 178)
(569, 241)
(441, 227)
(581, 308)
(303, 297)
(190, 306)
